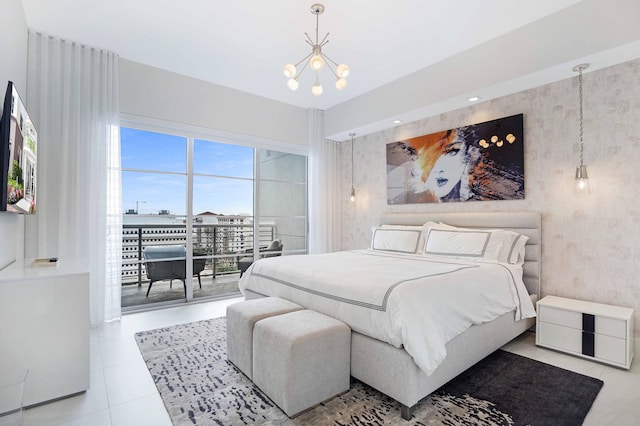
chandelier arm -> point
(330, 60)
(335, 73)
(302, 60)
(309, 41)
(322, 43)
(303, 68)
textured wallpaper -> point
(590, 244)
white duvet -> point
(414, 301)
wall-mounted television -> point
(18, 156)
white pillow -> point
(502, 245)
(418, 228)
(461, 243)
(517, 250)
(397, 240)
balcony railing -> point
(219, 242)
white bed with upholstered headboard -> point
(383, 352)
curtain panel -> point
(324, 169)
(72, 92)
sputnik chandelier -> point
(316, 60)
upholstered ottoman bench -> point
(241, 318)
(301, 359)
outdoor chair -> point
(170, 269)
(245, 258)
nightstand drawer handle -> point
(588, 344)
(588, 338)
(589, 323)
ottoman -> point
(241, 318)
(301, 359)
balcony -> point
(218, 244)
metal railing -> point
(220, 243)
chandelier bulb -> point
(293, 84)
(317, 89)
(316, 62)
(289, 70)
(341, 83)
(342, 70)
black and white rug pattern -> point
(199, 386)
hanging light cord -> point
(351, 162)
(581, 118)
(353, 191)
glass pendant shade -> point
(289, 70)
(582, 180)
(316, 62)
(293, 84)
(353, 195)
(341, 83)
(342, 71)
(317, 89)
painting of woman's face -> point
(448, 169)
(483, 161)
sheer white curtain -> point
(72, 95)
(324, 218)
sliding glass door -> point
(198, 213)
(282, 198)
(223, 181)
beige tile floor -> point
(123, 394)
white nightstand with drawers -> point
(590, 330)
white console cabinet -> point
(44, 326)
(595, 331)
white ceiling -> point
(424, 57)
(244, 44)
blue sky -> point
(154, 191)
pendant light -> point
(353, 191)
(582, 179)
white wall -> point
(13, 67)
(148, 92)
(590, 246)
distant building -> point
(213, 233)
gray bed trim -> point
(385, 300)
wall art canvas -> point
(480, 162)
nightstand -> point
(590, 330)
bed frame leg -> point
(406, 412)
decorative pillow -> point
(397, 240)
(461, 243)
(502, 245)
(418, 228)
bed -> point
(399, 369)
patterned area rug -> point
(199, 386)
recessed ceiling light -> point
(474, 98)
(397, 121)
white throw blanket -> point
(418, 302)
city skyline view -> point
(154, 175)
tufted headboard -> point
(527, 223)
